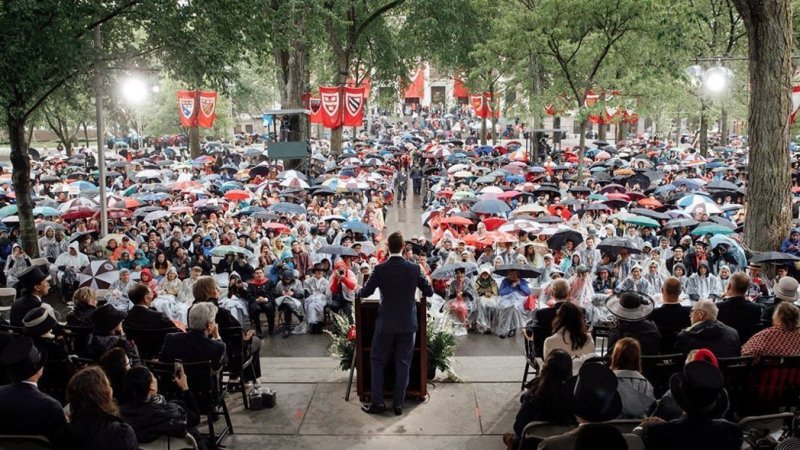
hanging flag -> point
(591, 98)
(187, 111)
(353, 111)
(208, 106)
(331, 113)
(550, 110)
(795, 102)
(416, 84)
(312, 104)
(479, 106)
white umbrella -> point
(98, 275)
(149, 173)
(156, 215)
(294, 182)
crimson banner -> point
(188, 113)
(208, 106)
(416, 84)
(330, 106)
(353, 111)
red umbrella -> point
(456, 220)
(181, 209)
(618, 196)
(508, 195)
(445, 193)
(78, 212)
(237, 195)
(493, 223)
(118, 213)
(650, 203)
(128, 203)
(183, 185)
(277, 227)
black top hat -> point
(22, 359)
(594, 393)
(38, 321)
(700, 389)
(32, 276)
(106, 318)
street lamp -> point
(717, 79)
(135, 92)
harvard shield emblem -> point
(207, 105)
(187, 107)
(353, 103)
(331, 104)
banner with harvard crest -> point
(353, 111)
(188, 113)
(197, 108)
(330, 106)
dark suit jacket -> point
(739, 313)
(544, 317)
(398, 281)
(26, 410)
(193, 346)
(21, 306)
(696, 434)
(145, 318)
(672, 316)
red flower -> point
(351, 333)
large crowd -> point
(230, 248)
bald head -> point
(671, 290)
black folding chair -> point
(206, 387)
(24, 442)
(604, 332)
(668, 338)
(149, 342)
(659, 368)
(77, 339)
(240, 360)
(534, 337)
(737, 372)
(55, 376)
(777, 383)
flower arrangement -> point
(344, 340)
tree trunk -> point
(556, 134)
(21, 178)
(769, 32)
(483, 130)
(295, 79)
(601, 132)
(703, 136)
(85, 134)
(581, 145)
(723, 127)
(194, 142)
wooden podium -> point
(366, 314)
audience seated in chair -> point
(115, 363)
(141, 316)
(668, 408)
(708, 332)
(781, 339)
(201, 343)
(736, 310)
(634, 389)
(108, 334)
(631, 310)
(85, 305)
(571, 334)
(95, 421)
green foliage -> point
(441, 343)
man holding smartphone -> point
(396, 324)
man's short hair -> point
(740, 283)
(395, 242)
(137, 293)
(201, 315)
(560, 289)
(708, 307)
(672, 287)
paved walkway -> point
(311, 412)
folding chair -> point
(535, 432)
(240, 359)
(659, 368)
(7, 297)
(148, 342)
(22, 442)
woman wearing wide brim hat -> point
(630, 306)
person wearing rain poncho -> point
(679, 272)
(319, 294)
(461, 300)
(166, 300)
(235, 299)
(48, 246)
(118, 291)
(511, 307)
(289, 295)
(581, 292)
(16, 264)
(486, 303)
(72, 259)
(139, 259)
(724, 277)
(635, 282)
(654, 276)
(703, 284)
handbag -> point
(337, 299)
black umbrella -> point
(143, 211)
(50, 179)
(680, 223)
(340, 250)
(615, 245)
(524, 270)
(724, 222)
(557, 241)
(650, 213)
(75, 236)
(774, 257)
(721, 185)
(548, 219)
(264, 215)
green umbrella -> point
(711, 228)
(641, 221)
(9, 210)
(599, 197)
(222, 250)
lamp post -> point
(708, 85)
(135, 92)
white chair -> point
(7, 297)
(40, 262)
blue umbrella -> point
(45, 211)
(287, 208)
(230, 185)
(83, 186)
(689, 183)
(490, 207)
(689, 199)
(9, 210)
(358, 227)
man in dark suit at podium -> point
(396, 324)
